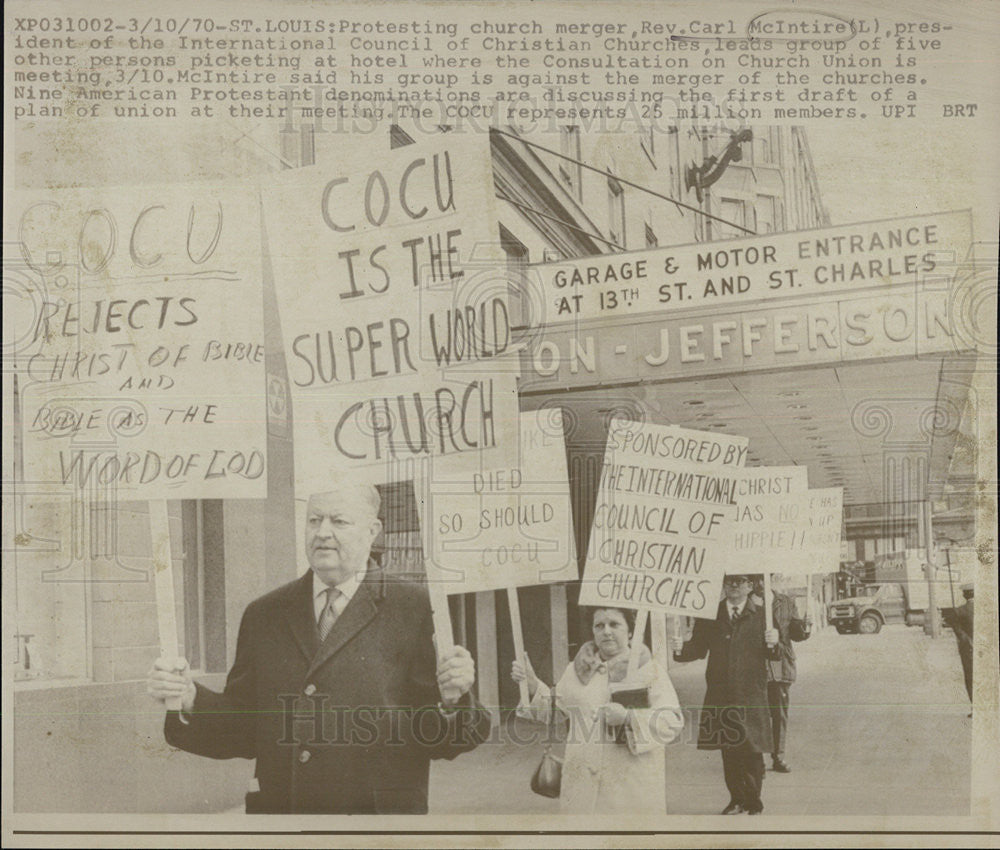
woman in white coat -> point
(615, 758)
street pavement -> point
(878, 726)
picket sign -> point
(163, 569)
(515, 626)
(535, 478)
(698, 521)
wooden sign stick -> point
(515, 627)
(658, 638)
(163, 570)
(768, 614)
(678, 632)
(635, 653)
(444, 638)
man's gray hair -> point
(367, 494)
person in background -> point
(600, 774)
(961, 620)
(781, 672)
(735, 719)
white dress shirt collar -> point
(347, 589)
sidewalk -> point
(878, 726)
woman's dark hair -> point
(627, 613)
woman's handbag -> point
(547, 778)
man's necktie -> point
(329, 615)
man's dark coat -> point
(349, 726)
(736, 706)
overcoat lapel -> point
(359, 613)
(301, 617)
(744, 623)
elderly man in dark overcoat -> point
(735, 718)
(335, 689)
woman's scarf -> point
(588, 661)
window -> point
(647, 143)
(734, 211)
(766, 214)
(766, 147)
(761, 149)
(651, 240)
(398, 137)
(398, 546)
(616, 212)
(779, 216)
(571, 173)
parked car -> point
(899, 593)
(876, 606)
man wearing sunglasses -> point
(735, 719)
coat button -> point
(310, 689)
(304, 756)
